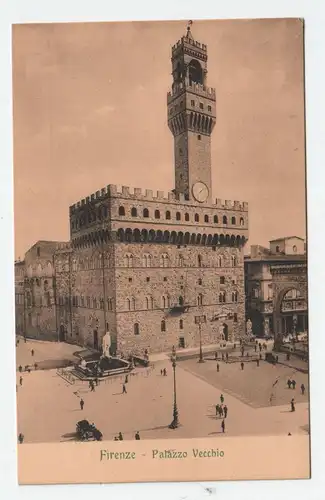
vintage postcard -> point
(161, 255)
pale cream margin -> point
(245, 458)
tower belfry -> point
(191, 118)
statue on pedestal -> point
(106, 344)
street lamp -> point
(175, 422)
(199, 320)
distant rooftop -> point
(287, 238)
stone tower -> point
(191, 119)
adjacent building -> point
(154, 270)
(276, 287)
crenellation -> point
(149, 194)
(92, 197)
(161, 195)
(229, 204)
(171, 196)
(125, 190)
(137, 192)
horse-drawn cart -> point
(88, 432)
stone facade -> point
(145, 266)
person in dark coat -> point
(124, 389)
(293, 384)
(302, 388)
(120, 436)
(116, 438)
(227, 357)
(21, 380)
(32, 352)
(255, 347)
(137, 436)
(126, 379)
(289, 384)
(225, 411)
(292, 404)
(20, 368)
(223, 426)
(242, 365)
(218, 367)
(82, 404)
(217, 410)
(222, 399)
(21, 438)
(35, 366)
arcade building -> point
(153, 270)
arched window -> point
(196, 218)
(206, 218)
(222, 280)
(187, 217)
(178, 216)
(233, 261)
(133, 304)
(163, 326)
(233, 220)
(149, 302)
(234, 296)
(94, 303)
(164, 260)
(128, 260)
(215, 219)
(181, 324)
(147, 260)
(128, 304)
(145, 212)
(180, 301)
(74, 265)
(199, 260)
(200, 299)
(222, 297)
(168, 214)
(241, 221)
(157, 214)
(121, 211)
(224, 220)
(277, 249)
(136, 329)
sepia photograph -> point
(161, 287)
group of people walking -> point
(222, 412)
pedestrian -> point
(28, 369)
(289, 384)
(116, 438)
(90, 384)
(126, 379)
(242, 365)
(227, 357)
(257, 362)
(255, 347)
(271, 398)
(302, 387)
(223, 426)
(217, 410)
(292, 404)
(137, 436)
(82, 404)
(120, 436)
(225, 411)
(218, 367)
(222, 399)
(161, 372)
(124, 389)
(17, 341)
(165, 372)
(21, 438)
(92, 389)
(220, 411)
(32, 352)
(35, 366)
(21, 380)
(20, 368)
(293, 384)
(260, 346)
(96, 381)
(16, 388)
(289, 433)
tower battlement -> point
(197, 88)
(186, 41)
(134, 193)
